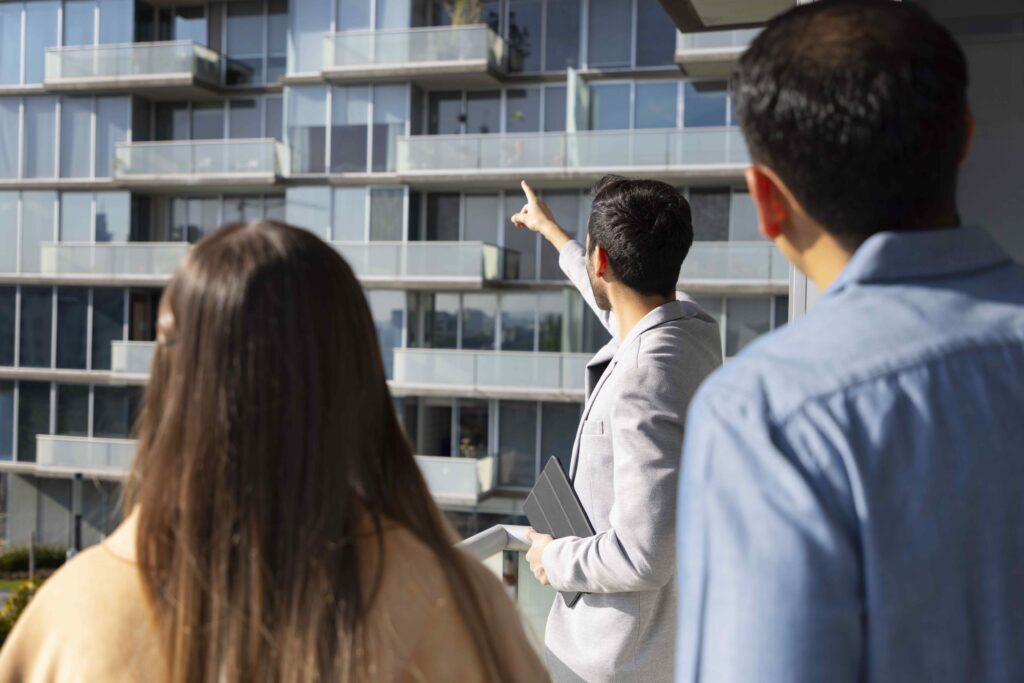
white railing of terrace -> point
(263, 158)
(715, 41)
(443, 262)
(735, 262)
(131, 358)
(112, 259)
(108, 457)
(661, 149)
(412, 49)
(132, 62)
(492, 372)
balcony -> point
(212, 164)
(702, 153)
(101, 458)
(736, 268)
(452, 481)
(425, 264)
(143, 263)
(712, 54)
(503, 549)
(131, 359)
(458, 481)
(429, 56)
(491, 374)
(165, 70)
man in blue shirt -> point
(852, 496)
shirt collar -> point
(900, 256)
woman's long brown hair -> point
(268, 444)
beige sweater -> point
(90, 622)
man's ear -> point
(968, 135)
(769, 199)
(600, 261)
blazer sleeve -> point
(573, 262)
(637, 552)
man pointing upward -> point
(626, 457)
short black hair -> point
(860, 108)
(646, 229)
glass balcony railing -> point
(112, 457)
(492, 372)
(503, 549)
(441, 262)
(460, 481)
(153, 259)
(230, 160)
(427, 49)
(133, 62)
(131, 358)
(735, 262)
(737, 40)
(595, 151)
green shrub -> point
(16, 559)
(15, 605)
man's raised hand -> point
(537, 217)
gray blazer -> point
(625, 468)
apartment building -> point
(398, 131)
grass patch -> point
(9, 584)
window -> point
(520, 243)
(781, 304)
(349, 219)
(33, 417)
(656, 37)
(558, 431)
(245, 30)
(440, 320)
(9, 107)
(551, 310)
(434, 433)
(704, 103)
(113, 412)
(310, 18)
(8, 231)
(746, 319)
(75, 137)
(393, 13)
(72, 324)
(113, 216)
(309, 208)
(7, 302)
(241, 209)
(73, 409)
(524, 35)
(710, 211)
(473, 429)
(517, 443)
(353, 14)
(307, 130)
(79, 18)
(40, 143)
(76, 217)
(6, 420)
(389, 117)
(562, 42)
(10, 44)
(36, 327)
(481, 218)
(608, 34)
(445, 113)
(244, 119)
(40, 33)
(743, 219)
(478, 315)
(189, 23)
(443, 217)
(518, 322)
(388, 309)
(172, 121)
(107, 324)
(522, 110)
(609, 106)
(656, 105)
(349, 134)
(273, 127)
(207, 121)
(387, 213)
(117, 21)
(483, 112)
(566, 208)
(277, 39)
(37, 226)
(554, 108)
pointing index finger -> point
(531, 196)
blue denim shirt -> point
(852, 496)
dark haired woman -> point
(278, 528)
